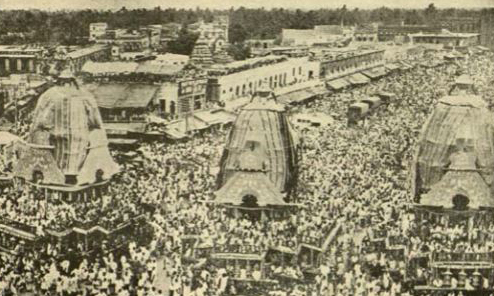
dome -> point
(458, 124)
(68, 125)
(262, 129)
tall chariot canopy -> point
(67, 142)
(455, 154)
(262, 128)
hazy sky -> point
(222, 4)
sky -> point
(225, 4)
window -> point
(197, 102)
(293, 71)
(299, 70)
(237, 90)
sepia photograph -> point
(246, 148)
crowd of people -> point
(353, 178)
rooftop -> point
(85, 51)
(115, 95)
(17, 48)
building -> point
(211, 31)
(124, 102)
(201, 54)
(171, 59)
(97, 30)
(318, 35)
(337, 63)
(446, 38)
(17, 86)
(487, 28)
(460, 24)
(20, 59)
(74, 60)
(260, 47)
(241, 79)
(126, 41)
(291, 51)
(400, 33)
(366, 33)
(169, 32)
(181, 97)
(137, 40)
(153, 33)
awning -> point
(405, 66)
(392, 67)
(123, 96)
(122, 128)
(175, 134)
(185, 125)
(7, 138)
(17, 232)
(337, 84)
(122, 142)
(375, 72)
(357, 79)
(219, 116)
(297, 96)
(363, 107)
(372, 101)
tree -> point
(184, 44)
(239, 51)
(430, 13)
(237, 33)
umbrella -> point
(7, 138)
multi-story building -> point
(137, 40)
(74, 60)
(97, 30)
(460, 24)
(126, 41)
(400, 33)
(169, 32)
(318, 35)
(211, 31)
(366, 33)
(342, 62)
(487, 28)
(179, 97)
(446, 38)
(242, 78)
(20, 59)
(154, 34)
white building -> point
(171, 59)
(242, 78)
(97, 30)
(320, 34)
